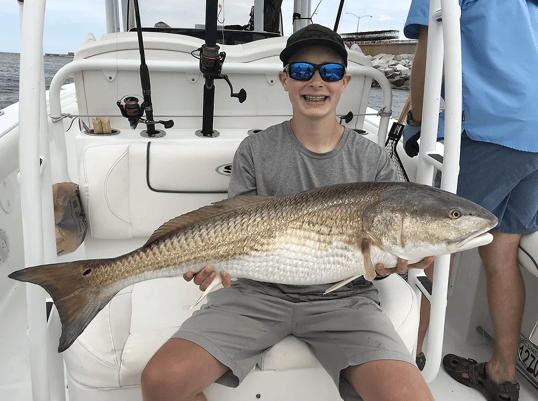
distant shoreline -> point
(69, 54)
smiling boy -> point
(346, 330)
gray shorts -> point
(239, 325)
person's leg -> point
(352, 337)
(221, 342)
(506, 299)
(180, 370)
(388, 380)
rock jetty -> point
(397, 68)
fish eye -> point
(454, 213)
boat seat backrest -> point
(121, 187)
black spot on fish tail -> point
(75, 299)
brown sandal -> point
(477, 378)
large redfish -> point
(328, 235)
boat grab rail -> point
(443, 49)
(193, 68)
(58, 133)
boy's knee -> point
(151, 378)
(156, 378)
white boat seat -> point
(115, 193)
(115, 347)
(528, 252)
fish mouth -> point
(472, 240)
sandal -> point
(421, 361)
(455, 366)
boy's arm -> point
(385, 169)
(243, 177)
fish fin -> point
(216, 281)
(77, 302)
(204, 213)
(369, 269)
(340, 284)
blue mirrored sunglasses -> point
(304, 71)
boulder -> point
(397, 68)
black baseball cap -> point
(314, 35)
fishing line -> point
(316, 9)
(70, 125)
(221, 11)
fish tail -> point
(76, 300)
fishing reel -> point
(211, 61)
(133, 111)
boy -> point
(309, 151)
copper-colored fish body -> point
(328, 235)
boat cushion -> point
(113, 183)
(118, 343)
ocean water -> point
(399, 97)
(9, 82)
(9, 75)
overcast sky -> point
(67, 22)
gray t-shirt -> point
(274, 163)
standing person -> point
(498, 162)
(359, 348)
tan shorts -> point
(238, 325)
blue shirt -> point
(499, 44)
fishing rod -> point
(211, 61)
(131, 110)
(338, 15)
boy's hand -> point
(205, 277)
(402, 266)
